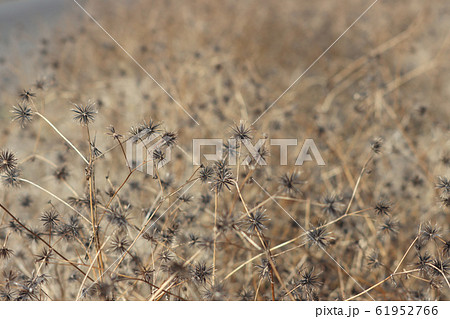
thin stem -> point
(56, 197)
(216, 198)
(63, 137)
(381, 282)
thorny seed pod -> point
(112, 132)
(61, 173)
(255, 222)
(309, 281)
(373, 261)
(201, 272)
(8, 161)
(444, 185)
(84, 114)
(318, 236)
(205, 174)
(288, 184)
(11, 178)
(389, 227)
(22, 114)
(119, 244)
(27, 96)
(45, 256)
(6, 253)
(376, 145)
(429, 232)
(169, 138)
(332, 205)
(241, 132)
(50, 219)
(222, 177)
(382, 207)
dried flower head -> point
(389, 227)
(11, 178)
(376, 145)
(201, 272)
(62, 173)
(382, 207)
(222, 177)
(27, 96)
(45, 256)
(50, 219)
(145, 273)
(373, 260)
(112, 132)
(193, 240)
(440, 267)
(265, 268)
(215, 293)
(444, 185)
(319, 236)
(241, 132)
(158, 156)
(289, 184)
(119, 244)
(118, 217)
(332, 205)
(145, 130)
(423, 262)
(429, 232)
(309, 281)
(446, 248)
(22, 114)
(205, 174)
(170, 138)
(8, 161)
(445, 201)
(165, 256)
(84, 114)
(255, 222)
(6, 253)
(246, 295)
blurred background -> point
(227, 61)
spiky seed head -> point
(255, 222)
(288, 184)
(429, 232)
(112, 132)
(241, 132)
(84, 114)
(376, 145)
(11, 178)
(332, 205)
(120, 244)
(318, 236)
(389, 227)
(170, 138)
(205, 174)
(22, 114)
(50, 219)
(444, 185)
(382, 207)
(6, 253)
(8, 161)
(27, 96)
(201, 272)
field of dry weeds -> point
(79, 220)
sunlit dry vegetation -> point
(79, 220)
